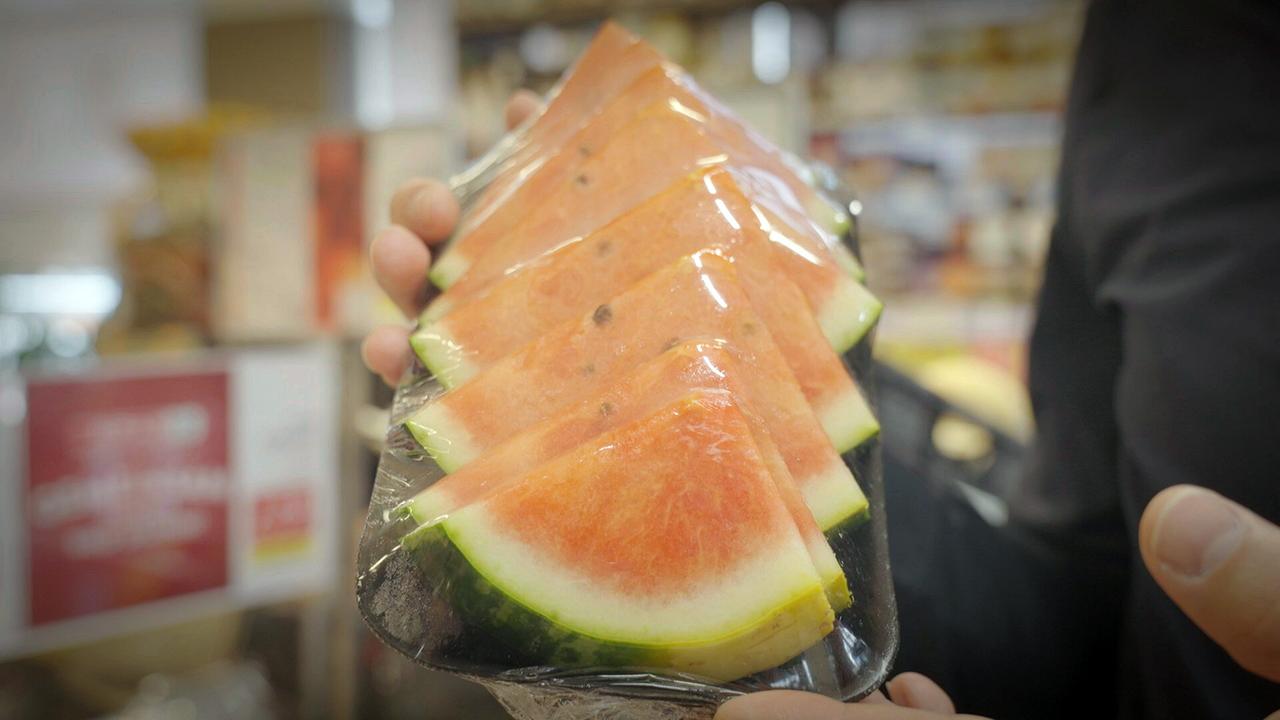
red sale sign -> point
(128, 483)
(282, 522)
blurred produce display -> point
(944, 116)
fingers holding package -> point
(911, 696)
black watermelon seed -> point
(602, 315)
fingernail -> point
(1196, 532)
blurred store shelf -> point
(934, 135)
(506, 16)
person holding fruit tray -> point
(1155, 377)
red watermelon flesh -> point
(678, 372)
(657, 148)
(612, 60)
(523, 189)
(698, 297)
(705, 211)
(677, 527)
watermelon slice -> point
(520, 193)
(697, 298)
(659, 146)
(612, 60)
(677, 372)
(664, 545)
(708, 209)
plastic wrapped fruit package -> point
(635, 471)
(625, 119)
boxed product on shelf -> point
(144, 493)
(296, 210)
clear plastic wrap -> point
(636, 472)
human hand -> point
(910, 697)
(1217, 560)
(423, 214)
(1221, 564)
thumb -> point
(1221, 564)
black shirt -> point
(1155, 358)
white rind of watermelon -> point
(757, 611)
(833, 496)
(837, 501)
(848, 421)
(424, 509)
(442, 436)
(447, 269)
(832, 499)
(828, 214)
(435, 310)
(848, 262)
(849, 314)
(426, 512)
(720, 608)
(726, 653)
(845, 319)
(442, 356)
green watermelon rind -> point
(851, 523)
(845, 319)
(849, 314)
(829, 215)
(422, 511)
(518, 628)
(435, 310)
(848, 421)
(833, 496)
(449, 450)
(540, 640)
(848, 262)
(448, 268)
(441, 355)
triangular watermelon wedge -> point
(523, 187)
(663, 545)
(657, 147)
(686, 368)
(711, 203)
(698, 297)
(707, 210)
(611, 62)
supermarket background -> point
(187, 435)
